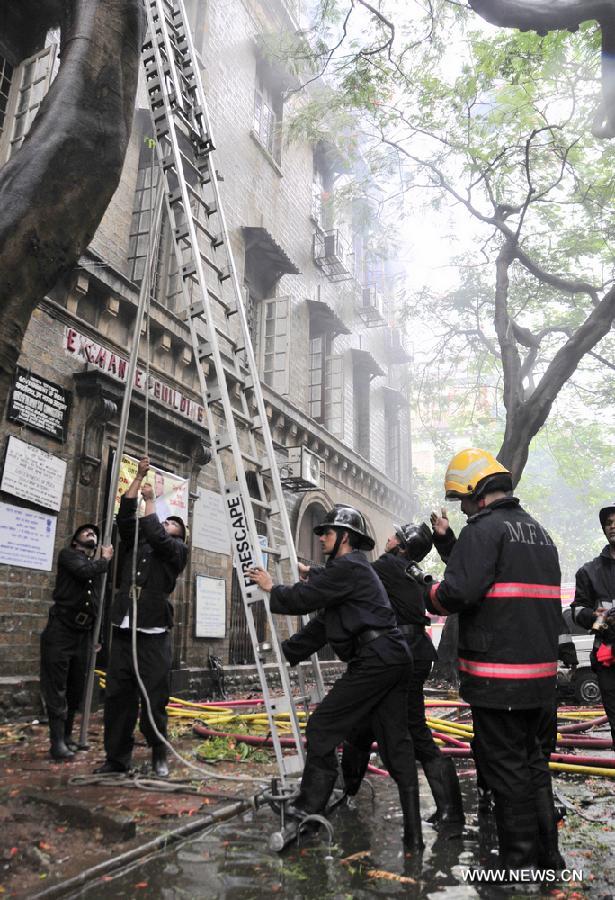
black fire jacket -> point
(351, 600)
(408, 602)
(161, 558)
(77, 590)
(595, 586)
(503, 578)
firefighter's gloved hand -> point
(568, 654)
(607, 633)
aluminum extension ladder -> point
(215, 314)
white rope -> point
(134, 591)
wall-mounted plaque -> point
(33, 474)
(26, 537)
(39, 404)
(210, 607)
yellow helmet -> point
(467, 471)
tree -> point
(509, 137)
(557, 15)
(54, 190)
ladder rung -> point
(261, 504)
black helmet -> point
(349, 519)
(81, 528)
(416, 540)
(606, 511)
(178, 521)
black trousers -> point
(64, 663)
(511, 749)
(369, 694)
(123, 697)
(606, 681)
(425, 748)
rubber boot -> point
(549, 855)
(411, 810)
(354, 766)
(159, 761)
(316, 787)
(58, 749)
(517, 825)
(442, 779)
(111, 768)
(68, 731)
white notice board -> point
(209, 527)
(210, 607)
(26, 537)
(33, 474)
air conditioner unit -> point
(302, 469)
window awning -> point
(324, 319)
(331, 157)
(259, 240)
(365, 360)
(394, 398)
(275, 50)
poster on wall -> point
(26, 537)
(210, 607)
(209, 528)
(39, 404)
(171, 491)
(33, 474)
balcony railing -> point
(331, 254)
(370, 305)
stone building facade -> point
(332, 358)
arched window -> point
(308, 545)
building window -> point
(322, 190)
(334, 395)
(361, 379)
(320, 350)
(274, 343)
(6, 76)
(392, 444)
(29, 82)
(268, 105)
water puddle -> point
(231, 861)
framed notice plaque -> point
(210, 607)
(33, 474)
(39, 404)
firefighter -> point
(503, 578)
(593, 608)
(357, 620)
(403, 581)
(161, 557)
(444, 540)
(66, 639)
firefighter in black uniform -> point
(65, 642)
(356, 618)
(503, 578)
(594, 608)
(161, 557)
(403, 581)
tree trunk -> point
(55, 189)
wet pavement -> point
(55, 825)
(231, 860)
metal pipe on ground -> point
(159, 843)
